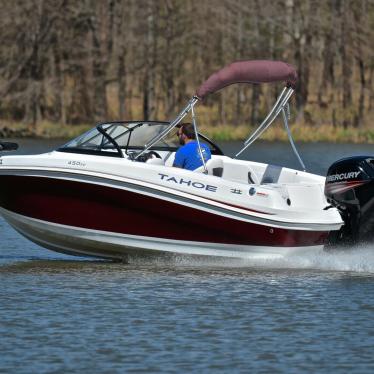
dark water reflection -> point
(304, 314)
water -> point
(305, 313)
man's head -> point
(186, 133)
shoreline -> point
(301, 133)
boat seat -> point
(271, 174)
(215, 167)
(155, 161)
(239, 172)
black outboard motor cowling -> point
(349, 186)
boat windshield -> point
(118, 138)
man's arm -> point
(179, 159)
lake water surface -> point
(314, 314)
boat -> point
(113, 192)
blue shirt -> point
(188, 157)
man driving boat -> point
(188, 156)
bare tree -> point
(73, 62)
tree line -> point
(71, 62)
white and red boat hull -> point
(86, 215)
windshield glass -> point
(112, 138)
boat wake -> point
(358, 259)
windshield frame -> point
(121, 151)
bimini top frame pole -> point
(197, 139)
(281, 105)
(174, 123)
(265, 122)
(273, 114)
(189, 108)
(257, 71)
(286, 116)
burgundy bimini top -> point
(252, 71)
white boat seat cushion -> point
(155, 161)
(239, 172)
(215, 167)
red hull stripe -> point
(111, 209)
(237, 206)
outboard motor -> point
(349, 187)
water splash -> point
(355, 259)
(358, 259)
